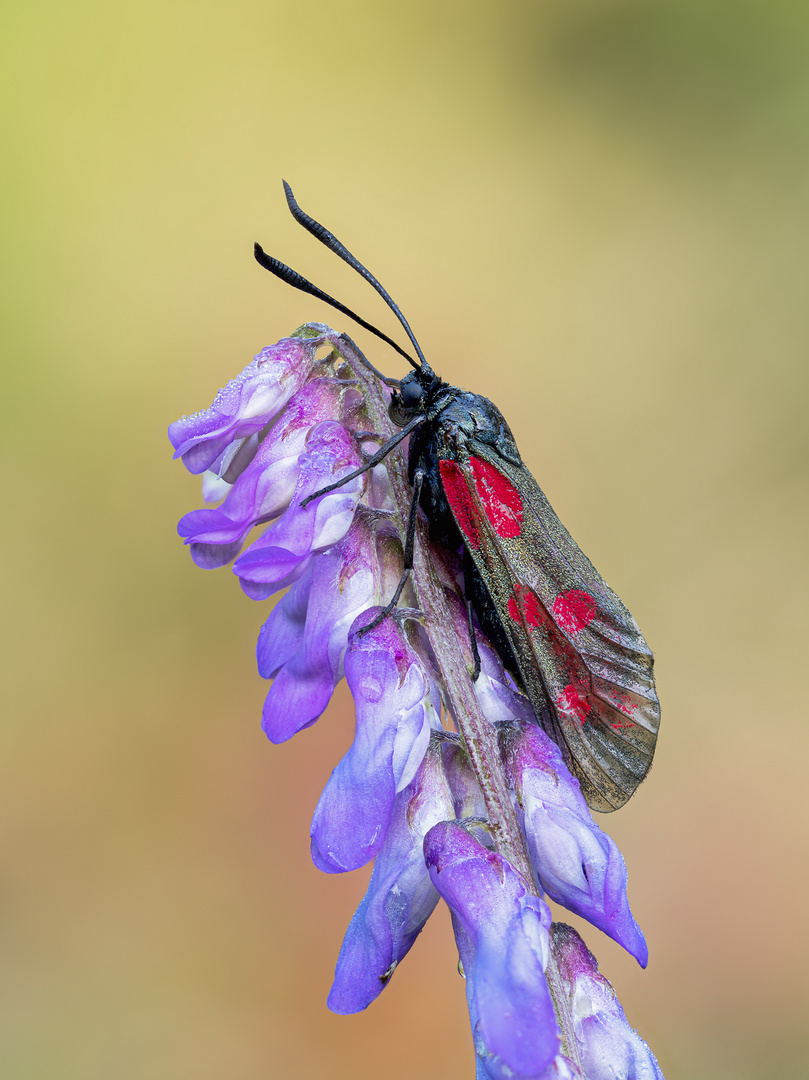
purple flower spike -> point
(303, 643)
(487, 817)
(277, 557)
(266, 483)
(396, 703)
(246, 405)
(576, 863)
(502, 933)
(610, 1049)
(400, 896)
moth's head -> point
(414, 396)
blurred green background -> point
(592, 211)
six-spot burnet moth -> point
(553, 620)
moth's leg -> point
(380, 455)
(367, 436)
(468, 592)
(473, 640)
(410, 540)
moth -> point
(554, 622)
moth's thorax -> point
(461, 418)
(452, 417)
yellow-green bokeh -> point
(593, 211)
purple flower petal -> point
(212, 556)
(267, 483)
(258, 590)
(214, 487)
(302, 530)
(394, 697)
(246, 405)
(400, 896)
(499, 699)
(232, 462)
(467, 798)
(610, 1049)
(345, 581)
(576, 863)
(502, 933)
(561, 1068)
(281, 635)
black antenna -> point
(333, 244)
(297, 281)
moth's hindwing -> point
(584, 663)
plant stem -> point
(478, 734)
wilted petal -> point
(246, 405)
(396, 710)
(609, 1048)
(502, 932)
(345, 581)
(576, 863)
(400, 896)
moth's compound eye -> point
(411, 394)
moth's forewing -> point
(582, 659)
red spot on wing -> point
(456, 489)
(574, 609)
(501, 500)
(571, 704)
(564, 672)
(525, 604)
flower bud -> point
(575, 862)
(609, 1048)
(502, 934)
(400, 896)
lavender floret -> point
(574, 861)
(396, 701)
(246, 405)
(303, 643)
(400, 896)
(609, 1048)
(502, 933)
